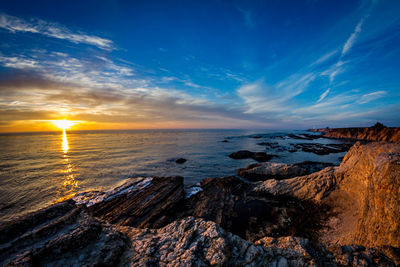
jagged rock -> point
(60, 235)
(141, 203)
(390, 134)
(195, 242)
(363, 193)
(229, 203)
(279, 171)
(245, 154)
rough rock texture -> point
(230, 203)
(391, 134)
(61, 235)
(142, 207)
(279, 171)
(363, 192)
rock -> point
(245, 154)
(180, 160)
(142, 206)
(279, 171)
(229, 202)
(225, 141)
(390, 134)
(362, 193)
(60, 235)
(321, 149)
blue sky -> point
(200, 64)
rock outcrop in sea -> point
(340, 216)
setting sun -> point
(63, 124)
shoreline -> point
(289, 214)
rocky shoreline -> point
(287, 215)
(378, 132)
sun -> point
(63, 124)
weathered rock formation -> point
(273, 170)
(363, 192)
(390, 134)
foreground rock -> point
(141, 203)
(279, 171)
(375, 133)
(245, 154)
(230, 203)
(363, 193)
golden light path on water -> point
(69, 184)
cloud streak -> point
(54, 30)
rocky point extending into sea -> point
(281, 215)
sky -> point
(199, 64)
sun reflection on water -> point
(68, 187)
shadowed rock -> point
(279, 171)
(321, 149)
(142, 206)
(245, 154)
(180, 160)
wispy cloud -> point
(323, 95)
(366, 98)
(350, 42)
(51, 29)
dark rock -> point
(142, 206)
(230, 203)
(279, 171)
(269, 144)
(256, 136)
(180, 160)
(61, 235)
(225, 141)
(245, 154)
(321, 149)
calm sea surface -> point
(41, 168)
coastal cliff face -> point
(345, 215)
(363, 193)
(369, 133)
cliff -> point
(390, 134)
(363, 194)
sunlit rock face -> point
(390, 134)
(363, 193)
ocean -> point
(37, 169)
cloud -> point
(349, 43)
(323, 95)
(50, 29)
(371, 97)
